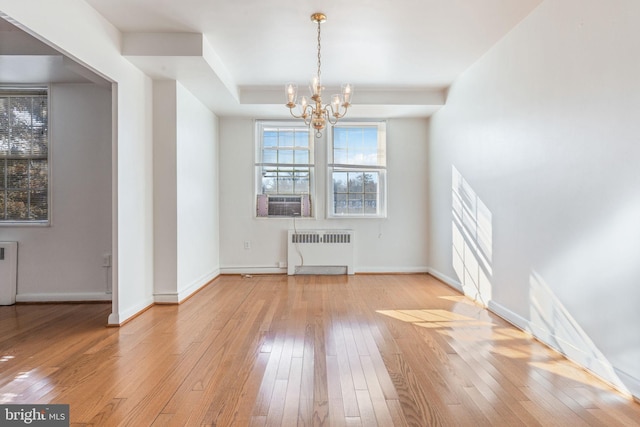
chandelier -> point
(314, 113)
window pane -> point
(17, 174)
(340, 182)
(340, 203)
(302, 139)
(285, 183)
(339, 138)
(340, 156)
(285, 156)
(286, 139)
(355, 182)
(38, 174)
(301, 157)
(269, 184)
(370, 155)
(370, 203)
(270, 138)
(4, 126)
(356, 203)
(39, 125)
(20, 123)
(17, 202)
(370, 182)
(301, 182)
(269, 156)
(38, 205)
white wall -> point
(544, 130)
(165, 193)
(64, 261)
(186, 240)
(197, 186)
(382, 245)
(76, 29)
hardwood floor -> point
(386, 350)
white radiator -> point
(8, 272)
(320, 252)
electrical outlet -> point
(247, 244)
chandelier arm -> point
(293, 115)
(304, 115)
(341, 115)
(334, 113)
(329, 112)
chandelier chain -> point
(318, 50)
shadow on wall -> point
(549, 320)
(472, 240)
(551, 323)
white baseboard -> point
(382, 270)
(116, 319)
(598, 366)
(632, 383)
(592, 361)
(64, 297)
(253, 270)
(361, 270)
(455, 284)
(178, 297)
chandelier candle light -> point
(315, 114)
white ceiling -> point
(388, 49)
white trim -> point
(117, 319)
(64, 297)
(382, 269)
(600, 367)
(632, 383)
(596, 364)
(361, 270)
(178, 297)
(511, 317)
(252, 270)
(446, 280)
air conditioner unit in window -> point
(283, 205)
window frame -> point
(380, 168)
(259, 164)
(33, 91)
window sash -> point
(357, 153)
(284, 163)
(24, 155)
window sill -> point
(25, 223)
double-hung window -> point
(24, 155)
(357, 169)
(284, 170)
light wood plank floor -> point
(386, 350)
